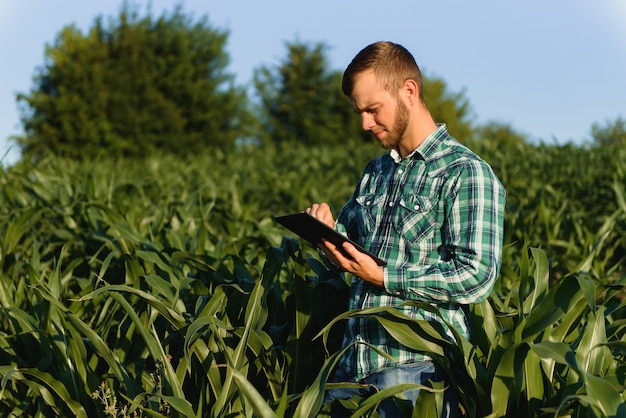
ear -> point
(410, 91)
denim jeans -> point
(418, 373)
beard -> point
(396, 132)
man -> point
(430, 207)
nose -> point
(367, 121)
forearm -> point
(468, 278)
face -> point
(381, 114)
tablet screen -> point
(313, 230)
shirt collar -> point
(426, 148)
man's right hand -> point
(322, 212)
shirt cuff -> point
(392, 280)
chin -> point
(387, 144)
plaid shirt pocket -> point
(416, 218)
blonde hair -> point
(392, 65)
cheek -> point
(384, 120)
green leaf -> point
(507, 379)
(605, 396)
(541, 279)
(558, 351)
(313, 397)
(484, 326)
(534, 386)
(405, 333)
(552, 308)
(260, 406)
(591, 353)
(174, 318)
(44, 380)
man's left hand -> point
(350, 259)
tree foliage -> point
(301, 99)
(611, 133)
(451, 108)
(131, 86)
(502, 135)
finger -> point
(322, 212)
(329, 252)
(349, 251)
(316, 210)
(325, 215)
(339, 256)
(312, 209)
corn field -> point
(163, 287)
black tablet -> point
(313, 230)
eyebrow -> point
(366, 109)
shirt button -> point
(390, 204)
(416, 207)
(400, 171)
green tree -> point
(301, 99)
(133, 86)
(500, 135)
(607, 153)
(451, 108)
(611, 133)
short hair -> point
(391, 63)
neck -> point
(421, 126)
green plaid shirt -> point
(437, 217)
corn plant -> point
(164, 288)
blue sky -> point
(550, 68)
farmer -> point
(430, 207)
